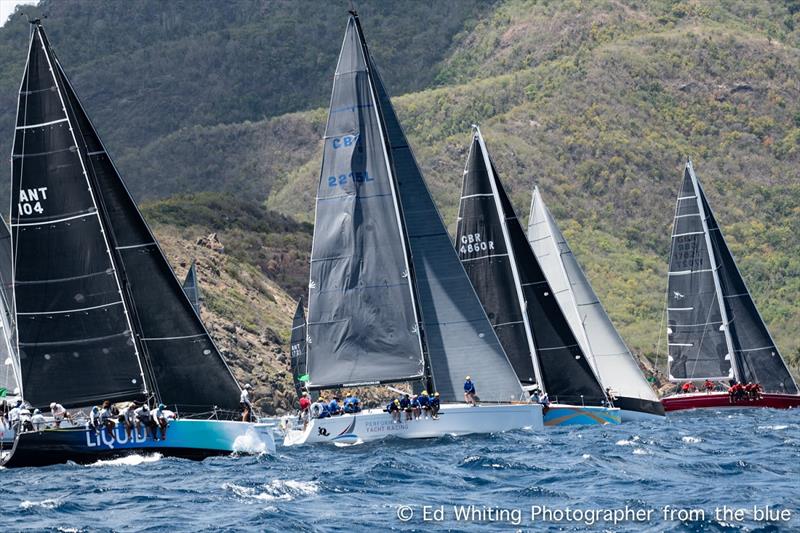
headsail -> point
(188, 371)
(9, 363)
(297, 345)
(699, 347)
(362, 322)
(76, 344)
(192, 288)
(757, 358)
(563, 369)
(599, 339)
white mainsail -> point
(611, 358)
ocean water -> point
(672, 476)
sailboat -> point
(99, 312)
(715, 331)
(520, 302)
(613, 362)
(388, 298)
(297, 344)
(10, 382)
(192, 288)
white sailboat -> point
(389, 300)
(614, 363)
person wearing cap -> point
(435, 406)
(106, 418)
(38, 421)
(144, 419)
(244, 401)
(355, 404)
(405, 406)
(94, 417)
(25, 423)
(469, 392)
(59, 413)
(129, 419)
(333, 406)
(394, 409)
(13, 415)
(160, 419)
(424, 402)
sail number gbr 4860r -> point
(472, 243)
(30, 201)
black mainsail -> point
(297, 344)
(514, 290)
(192, 288)
(715, 330)
(100, 312)
(388, 298)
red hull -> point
(715, 400)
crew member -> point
(424, 402)
(244, 401)
(144, 419)
(94, 417)
(394, 409)
(160, 419)
(333, 406)
(405, 406)
(37, 420)
(129, 419)
(709, 386)
(106, 418)
(469, 392)
(435, 406)
(59, 413)
(13, 415)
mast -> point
(512, 258)
(714, 271)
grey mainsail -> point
(192, 288)
(756, 356)
(600, 340)
(699, 346)
(561, 367)
(361, 320)
(444, 316)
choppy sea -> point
(679, 475)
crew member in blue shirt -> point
(394, 409)
(348, 403)
(416, 408)
(356, 404)
(334, 408)
(469, 392)
(424, 402)
(435, 406)
(405, 406)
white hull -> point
(454, 419)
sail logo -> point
(30, 201)
(472, 243)
(355, 177)
(678, 296)
(346, 141)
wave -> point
(276, 489)
(691, 440)
(49, 503)
(625, 442)
(129, 460)
(250, 443)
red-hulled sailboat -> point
(716, 335)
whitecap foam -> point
(774, 428)
(276, 489)
(626, 442)
(586, 456)
(50, 503)
(250, 443)
(129, 460)
(640, 451)
(691, 440)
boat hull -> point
(454, 419)
(716, 400)
(635, 409)
(190, 439)
(573, 415)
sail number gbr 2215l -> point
(30, 201)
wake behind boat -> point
(100, 316)
(716, 335)
(388, 298)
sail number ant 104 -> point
(30, 201)
(472, 243)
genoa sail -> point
(756, 357)
(9, 364)
(594, 331)
(699, 347)
(297, 344)
(76, 344)
(192, 288)
(362, 323)
(564, 371)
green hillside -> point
(598, 102)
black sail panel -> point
(362, 323)
(697, 343)
(481, 247)
(76, 345)
(187, 369)
(566, 371)
(459, 338)
(297, 344)
(758, 359)
(191, 287)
